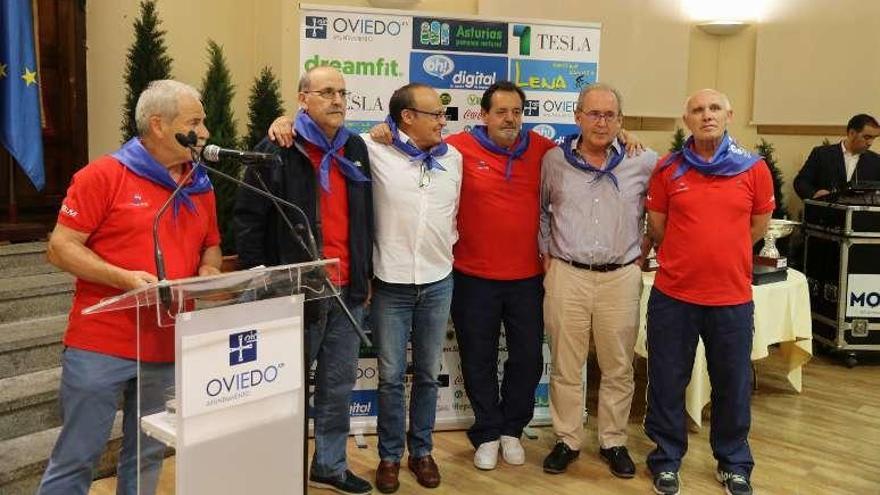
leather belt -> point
(607, 267)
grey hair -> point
(305, 81)
(161, 98)
(600, 87)
(724, 99)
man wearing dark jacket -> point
(327, 174)
(829, 168)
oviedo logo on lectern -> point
(242, 347)
(239, 382)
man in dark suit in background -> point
(829, 168)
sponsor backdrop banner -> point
(378, 51)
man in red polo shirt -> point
(498, 273)
(104, 237)
(707, 205)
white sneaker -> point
(486, 457)
(512, 450)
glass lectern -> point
(233, 403)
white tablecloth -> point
(782, 315)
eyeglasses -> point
(439, 115)
(329, 93)
(596, 116)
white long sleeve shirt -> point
(414, 211)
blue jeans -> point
(335, 345)
(674, 328)
(90, 386)
(400, 313)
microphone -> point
(214, 153)
(187, 140)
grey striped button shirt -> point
(591, 221)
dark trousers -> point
(479, 307)
(674, 328)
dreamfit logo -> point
(242, 347)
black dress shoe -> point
(619, 461)
(347, 483)
(559, 459)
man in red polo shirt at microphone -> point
(104, 237)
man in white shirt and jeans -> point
(416, 184)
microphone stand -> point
(310, 247)
(164, 289)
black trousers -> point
(479, 307)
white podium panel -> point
(239, 390)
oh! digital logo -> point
(242, 347)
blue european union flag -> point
(20, 129)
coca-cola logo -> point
(472, 114)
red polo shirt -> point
(116, 207)
(706, 254)
(334, 215)
(498, 219)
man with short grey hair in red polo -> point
(707, 205)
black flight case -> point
(842, 266)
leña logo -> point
(242, 347)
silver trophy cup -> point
(777, 229)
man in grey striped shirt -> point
(592, 210)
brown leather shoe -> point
(425, 471)
(386, 476)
